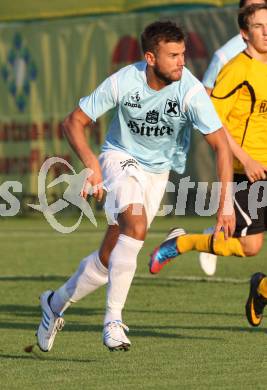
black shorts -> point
(251, 218)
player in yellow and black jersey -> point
(240, 98)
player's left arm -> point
(254, 170)
(203, 117)
(224, 162)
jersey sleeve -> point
(102, 99)
(212, 71)
(225, 93)
(200, 110)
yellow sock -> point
(262, 289)
(205, 243)
(194, 242)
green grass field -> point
(187, 332)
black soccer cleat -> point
(256, 302)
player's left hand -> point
(254, 170)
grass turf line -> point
(185, 333)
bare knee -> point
(252, 244)
(135, 230)
(133, 225)
(251, 251)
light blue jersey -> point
(221, 56)
(152, 126)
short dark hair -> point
(246, 12)
(242, 3)
(160, 31)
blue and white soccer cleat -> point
(166, 251)
(50, 324)
(208, 261)
(114, 337)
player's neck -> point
(252, 52)
(153, 81)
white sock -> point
(122, 266)
(90, 275)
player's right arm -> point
(74, 128)
(102, 99)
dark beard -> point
(161, 76)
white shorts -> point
(126, 182)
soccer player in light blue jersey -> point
(157, 101)
(225, 53)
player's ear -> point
(244, 34)
(150, 58)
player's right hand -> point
(94, 183)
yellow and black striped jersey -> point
(240, 99)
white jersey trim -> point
(192, 92)
(114, 85)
